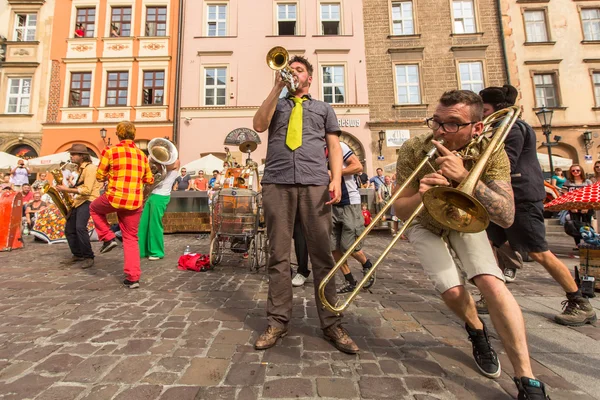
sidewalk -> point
(67, 333)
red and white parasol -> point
(586, 198)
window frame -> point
(277, 20)
(413, 17)
(25, 29)
(595, 87)
(544, 12)
(339, 21)
(395, 65)
(475, 17)
(156, 21)
(85, 23)
(81, 89)
(154, 71)
(217, 21)
(205, 68)
(19, 96)
(555, 82)
(581, 10)
(120, 22)
(117, 88)
(471, 61)
(334, 85)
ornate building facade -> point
(111, 61)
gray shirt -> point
(307, 165)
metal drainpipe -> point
(502, 40)
(178, 66)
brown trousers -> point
(281, 203)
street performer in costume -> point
(86, 190)
(527, 233)
(125, 168)
(457, 119)
(296, 181)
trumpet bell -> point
(456, 210)
(162, 151)
(277, 58)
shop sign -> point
(349, 123)
(396, 137)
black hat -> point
(506, 94)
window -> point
(464, 16)
(286, 19)
(116, 90)
(407, 84)
(79, 94)
(590, 17)
(471, 76)
(25, 27)
(120, 22)
(535, 26)
(215, 86)
(333, 84)
(217, 20)
(154, 87)
(596, 80)
(402, 18)
(19, 92)
(545, 90)
(330, 19)
(86, 22)
(156, 21)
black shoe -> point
(530, 389)
(347, 288)
(130, 284)
(108, 246)
(87, 263)
(485, 357)
(372, 279)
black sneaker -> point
(530, 389)
(366, 269)
(347, 288)
(131, 284)
(108, 246)
(485, 357)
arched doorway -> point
(355, 145)
(23, 151)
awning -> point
(557, 162)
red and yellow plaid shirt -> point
(127, 170)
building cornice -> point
(591, 60)
(26, 2)
(542, 62)
(17, 64)
(332, 51)
(469, 47)
(225, 53)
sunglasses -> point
(575, 170)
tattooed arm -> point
(497, 198)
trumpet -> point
(278, 59)
(456, 209)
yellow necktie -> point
(293, 139)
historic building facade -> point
(554, 59)
(416, 50)
(111, 61)
(226, 77)
(25, 35)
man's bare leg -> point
(557, 269)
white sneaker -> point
(152, 258)
(298, 280)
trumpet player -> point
(86, 190)
(458, 119)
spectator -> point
(377, 180)
(363, 179)
(35, 206)
(596, 177)
(366, 214)
(215, 180)
(19, 175)
(6, 182)
(40, 182)
(79, 32)
(558, 179)
(182, 182)
(114, 31)
(200, 183)
(576, 180)
(26, 193)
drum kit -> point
(239, 177)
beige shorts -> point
(347, 225)
(452, 260)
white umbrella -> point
(557, 162)
(208, 164)
(52, 161)
(8, 161)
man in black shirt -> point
(183, 181)
(527, 234)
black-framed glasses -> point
(448, 127)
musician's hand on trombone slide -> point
(450, 164)
(432, 180)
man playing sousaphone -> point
(458, 119)
(86, 190)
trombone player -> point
(457, 120)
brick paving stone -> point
(90, 370)
(141, 392)
(180, 393)
(390, 367)
(37, 353)
(232, 337)
(369, 368)
(174, 364)
(130, 369)
(243, 374)
(204, 372)
(221, 350)
(28, 386)
(283, 370)
(381, 387)
(61, 393)
(136, 346)
(14, 370)
(423, 384)
(60, 363)
(288, 387)
(337, 388)
(216, 393)
(282, 355)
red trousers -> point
(128, 222)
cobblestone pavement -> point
(67, 333)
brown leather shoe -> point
(269, 337)
(341, 339)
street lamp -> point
(545, 117)
(380, 142)
(587, 141)
(103, 136)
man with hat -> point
(86, 190)
(527, 233)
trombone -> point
(455, 208)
